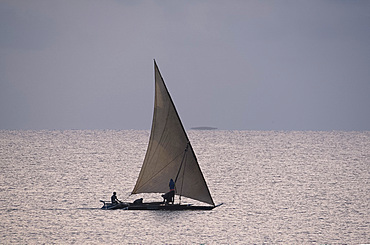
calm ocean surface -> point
(277, 188)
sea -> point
(277, 187)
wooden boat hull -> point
(155, 206)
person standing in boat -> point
(169, 197)
(172, 191)
(114, 198)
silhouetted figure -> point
(172, 185)
(114, 199)
(169, 197)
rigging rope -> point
(183, 173)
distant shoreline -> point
(204, 128)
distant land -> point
(204, 128)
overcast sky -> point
(245, 65)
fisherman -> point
(172, 191)
(114, 198)
(170, 196)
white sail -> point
(170, 154)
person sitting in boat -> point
(114, 198)
(170, 196)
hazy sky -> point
(253, 65)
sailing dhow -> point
(169, 156)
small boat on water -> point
(169, 156)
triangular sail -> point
(170, 154)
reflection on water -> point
(277, 187)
